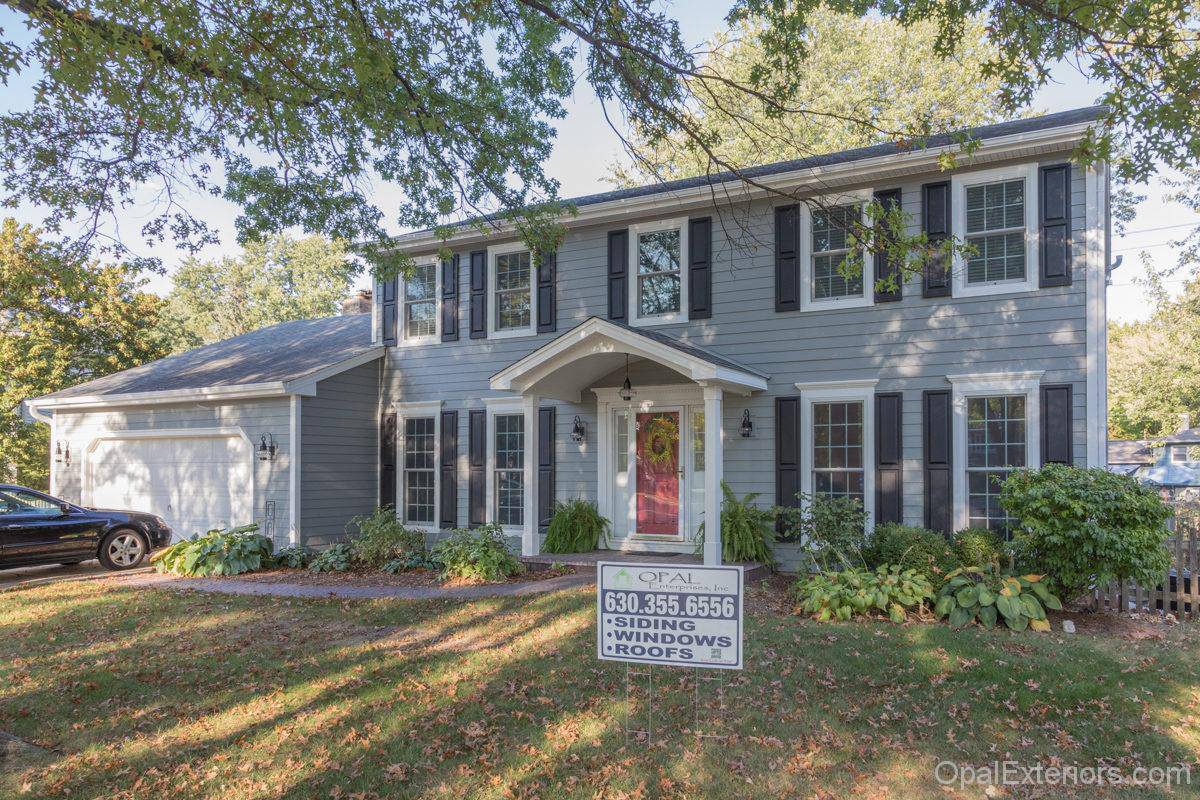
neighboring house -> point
(698, 331)
(1171, 463)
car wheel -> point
(123, 549)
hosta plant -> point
(292, 557)
(890, 590)
(986, 595)
(410, 562)
(218, 552)
(335, 558)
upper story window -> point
(420, 302)
(995, 216)
(1185, 454)
(510, 284)
(658, 290)
(834, 272)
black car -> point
(36, 528)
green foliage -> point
(412, 560)
(920, 549)
(478, 555)
(833, 530)
(292, 557)
(218, 552)
(979, 546)
(379, 538)
(890, 589)
(985, 594)
(1087, 527)
(747, 531)
(576, 527)
(335, 558)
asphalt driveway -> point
(31, 576)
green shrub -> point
(747, 531)
(380, 538)
(840, 595)
(479, 555)
(335, 558)
(412, 561)
(1086, 527)
(292, 557)
(987, 595)
(977, 546)
(218, 552)
(576, 527)
(832, 529)
(921, 549)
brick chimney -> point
(359, 304)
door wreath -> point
(662, 435)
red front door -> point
(658, 473)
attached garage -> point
(277, 427)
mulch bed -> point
(367, 578)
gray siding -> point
(339, 467)
(910, 346)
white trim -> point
(294, 471)
(307, 385)
(807, 302)
(959, 183)
(402, 337)
(866, 384)
(418, 409)
(504, 406)
(634, 298)
(493, 306)
(856, 391)
(1096, 211)
(984, 385)
(405, 411)
(714, 471)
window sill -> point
(836, 304)
(999, 287)
(512, 333)
(665, 319)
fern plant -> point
(576, 527)
(747, 531)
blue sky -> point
(585, 146)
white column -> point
(529, 536)
(714, 462)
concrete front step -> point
(586, 562)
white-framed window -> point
(1185, 454)
(996, 429)
(838, 437)
(419, 427)
(657, 278)
(420, 296)
(507, 463)
(995, 212)
(511, 279)
(826, 235)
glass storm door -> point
(658, 473)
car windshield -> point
(16, 501)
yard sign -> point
(679, 614)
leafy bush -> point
(479, 555)
(218, 552)
(292, 557)
(833, 529)
(381, 538)
(576, 527)
(1087, 527)
(921, 549)
(840, 595)
(986, 595)
(335, 558)
(747, 531)
(979, 546)
(411, 561)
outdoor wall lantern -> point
(578, 430)
(61, 455)
(747, 427)
(626, 392)
(266, 448)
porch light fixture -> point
(747, 427)
(62, 456)
(626, 392)
(578, 430)
(266, 447)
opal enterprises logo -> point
(1014, 773)
(659, 579)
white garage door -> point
(194, 483)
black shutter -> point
(387, 305)
(545, 467)
(450, 299)
(618, 271)
(547, 303)
(787, 258)
(935, 221)
(1057, 424)
(889, 464)
(479, 294)
(387, 461)
(1054, 208)
(700, 268)
(886, 267)
(787, 451)
(448, 471)
(477, 465)
(939, 484)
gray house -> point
(674, 342)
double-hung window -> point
(835, 273)
(420, 476)
(508, 464)
(995, 217)
(658, 285)
(421, 302)
(510, 284)
(839, 440)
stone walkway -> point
(235, 586)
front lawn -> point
(155, 693)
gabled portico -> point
(567, 366)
